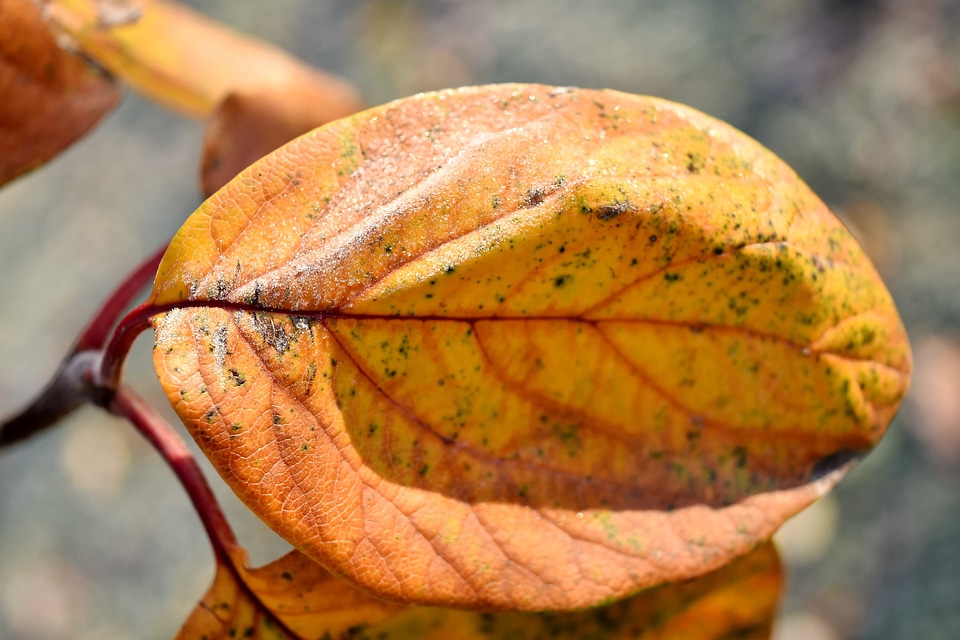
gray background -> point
(861, 97)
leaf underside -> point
(293, 597)
(523, 347)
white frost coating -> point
(219, 341)
(162, 332)
(309, 273)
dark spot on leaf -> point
(610, 211)
(740, 455)
(270, 332)
(533, 197)
(833, 462)
(695, 162)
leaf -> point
(190, 63)
(295, 598)
(525, 348)
(247, 126)
(48, 97)
(292, 597)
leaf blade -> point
(475, 338)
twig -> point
(171, 447)
(76, 381)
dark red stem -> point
(96, 334)
(126, 403)
(131, 326)
(77, 381)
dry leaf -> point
(525, 348)
(190, 63)
(48, 97)
(295, 598)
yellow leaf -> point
(295, 598)
(190, 63)
(517, 347)
(48, 97)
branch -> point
(76, 381)
(70, 388)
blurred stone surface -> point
(861, 97)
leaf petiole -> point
(98, 330)
(171, 447)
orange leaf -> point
(295, 598)
(189, 62)
(48, 97)
(525, 348)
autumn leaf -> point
(294, 597)
(191, 63)
(48, 97)
(517, 347)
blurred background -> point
(861, 97)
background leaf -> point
(247, 125)
(48, 97)
(190, 63)
(444, 343)
(294, 597)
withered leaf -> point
(518, 347)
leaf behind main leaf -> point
(294, 597)
(48, 97)
(525, 347)
(190, 63)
